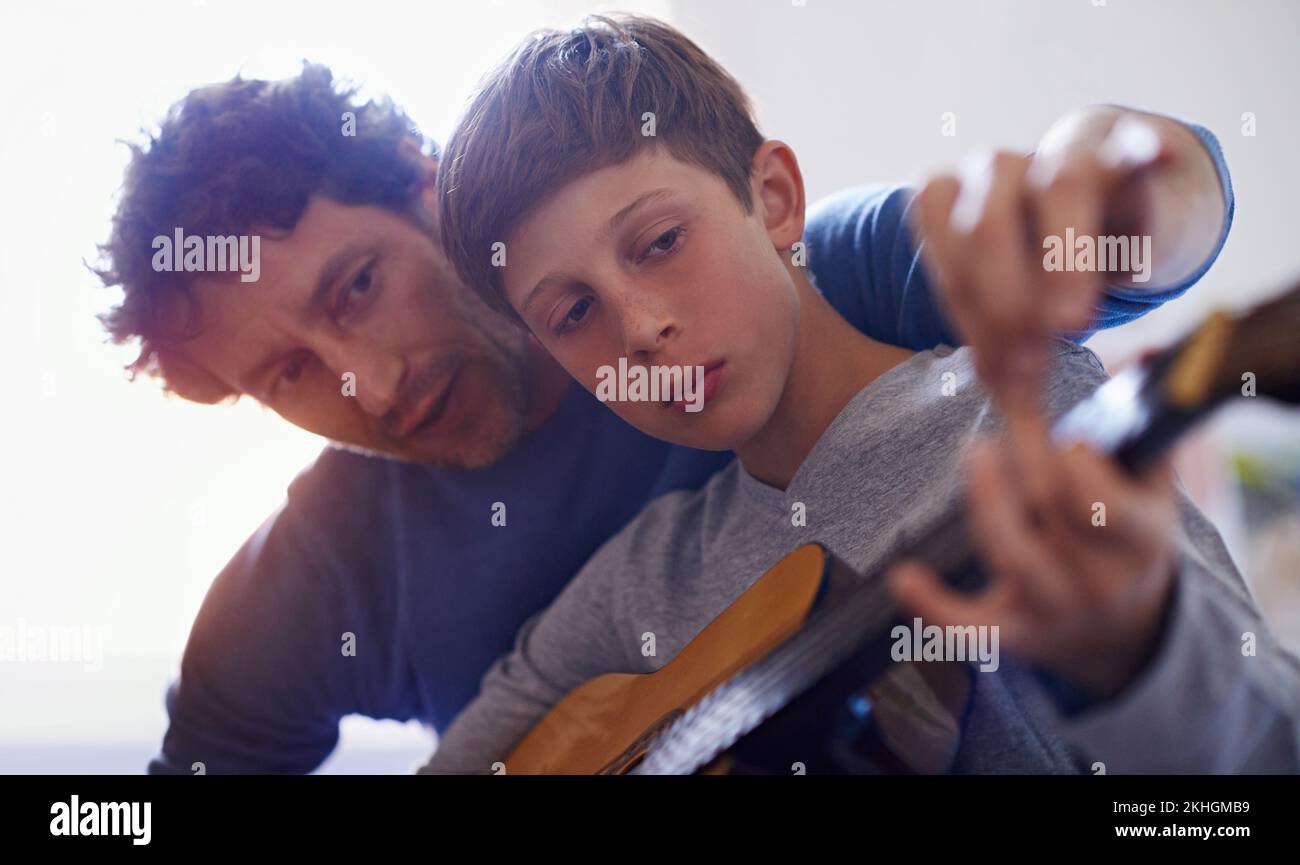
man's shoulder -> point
(841, 227)
(333, 515)
(852, 207)
(336, 471)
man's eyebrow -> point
(325, 279)
(614, 222)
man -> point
(472, 479)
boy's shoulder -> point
(934, 401)
(666, 537)
(1074, 371)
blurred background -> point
(118, 506)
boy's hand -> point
(1101, 171)
(1080, 599)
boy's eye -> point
(574, 316)
(664, 244)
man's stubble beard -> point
(508, 365)
(512, 372)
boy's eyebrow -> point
(536, 290)
(645, 198)
(614, 222)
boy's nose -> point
(646, 333)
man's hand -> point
(1080, 599)
(1099, 172)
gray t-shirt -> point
(888, 462)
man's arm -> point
(573, 640)
(264, 679)
(863, 255)
(247, 699)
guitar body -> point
(605, 725)
(903, 719)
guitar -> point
(797, 671)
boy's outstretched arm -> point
(864, 243)
(1149, 643)
(1145, 632)
(1005, 235)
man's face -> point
(361, 298)
(656, 261)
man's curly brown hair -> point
(237, 158)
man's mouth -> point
(429, 412)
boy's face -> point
(655, 260)
(361, 290)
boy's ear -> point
(777, 187)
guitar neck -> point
(1132, 418)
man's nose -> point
(376, 375)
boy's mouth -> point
(714, 376)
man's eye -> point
(357, 290)
(664, 244)
(574, 316)
(291, 372)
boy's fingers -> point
(920, 590)
(1140, 508)
(1068, 200)
(1003, 535)
(1033, 463)
(989, 222)
(1131, 145)
(991, 226)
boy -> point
(675, 250)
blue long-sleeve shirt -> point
(406, 560)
